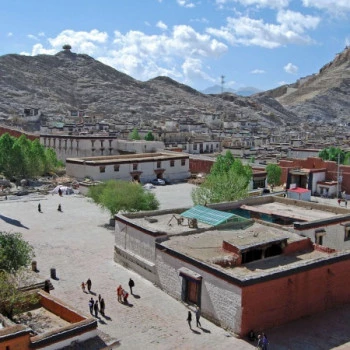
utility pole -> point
(338, 175)
(222, 83)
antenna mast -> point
(222, 83)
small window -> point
(319, 234)
(116, 167)
(172, 163)
(102, 169)
(134, 166)
(347, 233)
(183, 162)
(159, 164)
(195, 147)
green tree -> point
(6, 144)
(12, 299)
(26, 165)
(37, 157)
(14, 252)
(228, 181)
(116, 195)
(134, 135)
(274, 173)
(51, 161)
(149, 136)
(331, 153)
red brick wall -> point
(272, 303)
(17, 133)
(200, 166)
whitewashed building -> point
(143, 167)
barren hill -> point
(321, 96)
(57, 84)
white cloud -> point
(290, 29)
(290, 68)
(282, 83)
(193, 70)
(330, 5)
(258, 3)
(33, 37)
(9, 34)
(186, 3)
(257, 71)
(161, 25)
(41, 34)
(179, 53)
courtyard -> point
(78, 243)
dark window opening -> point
(183, 162)
(102, 169)
(116, 168)
(251, 255)
(172, 163)
(274, 250)
(134, 166)
(159, 164)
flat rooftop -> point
(41, 320)
(206, 247)
(303, 213)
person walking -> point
(189, 319)
(102, 306)
(59, 208)
(265, 342)
(91, 305)
(89, 284)
(99, 298)
(119, 293)
(198, 316)
(39, 208)
(131, 285)
(96, 308)
(83, 286)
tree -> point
(116, 195)
(228, 181)
(6, 144)
(14, 252)
(274, 173)
(134, 135)
(12, 299)
(331, 153)
(149, 136)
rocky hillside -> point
(67, 81)
(321, 96)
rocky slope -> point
(68, 81)
(322, 96)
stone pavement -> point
(79, 244)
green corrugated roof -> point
(208, 216)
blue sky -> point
(260, 43)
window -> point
(319, 234)
(347, 233)
(102, 169)
(159, 164)
(183, 162)
(134, 166)
(116, 167)
(195, 147)
(172, 163)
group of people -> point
(122, 294)
(198, 316)
(94, 305)
(97, 305)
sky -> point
(200, 43)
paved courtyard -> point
(79, 244)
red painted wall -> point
(318, 163)
(200, 166)
(272, 303)
(59, 309)
(17, 133)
